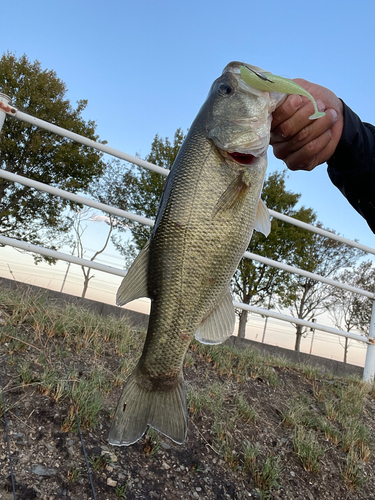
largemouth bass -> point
(208, 211)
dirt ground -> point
(48, 461)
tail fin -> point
(165, 411)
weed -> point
(245, 410)
(74, 475)
(319, 392)
(197, 400)
(223, 441)
(26, 374)
(189, 361)
(99, 380)
(295, 412)
(330, 432)
(127, 366)
(15, 341)
(98, 462)
(88, 403)
(351, 473)
(51, 384)
(267, 476)
(119, 380)
(210, 398)
(352, 399)
(307, 448)
(152, 442)
(331, 407)
(355, 434)
(311, 372)
(250, 457)
(121, 491)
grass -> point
(26, 374)
(336, 414)
(241, 365)
(246, 412)
(50, 333)
(210, 398)
(99, 462)
(307, 448)
(74, 475)
(266, 475)
(78, 327)
(121, 490)
(296, 411)
(351, 472)
(88, 402)
(152, 442)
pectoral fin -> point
(219, 325)
(262, 219)
(233, 197)
(134, 285)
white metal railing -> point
(369, 370)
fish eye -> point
(225, 89)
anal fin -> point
(134, 285)
(219, 325)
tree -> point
(349, 310)
(258, 283)
(79, 230)
(147, 186)
(308, 297)
(364, 277)
(112, 188)
(30, 151)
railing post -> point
(369, 370)
(4, 100)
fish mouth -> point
(237, 157)
(242, 158)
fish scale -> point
(207, 213)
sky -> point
(146, 67)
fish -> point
(263, 80)
(207, 213)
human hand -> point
(302, 143)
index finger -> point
(287, 109)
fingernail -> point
(321, 105)
(296, 101)
(334, 114)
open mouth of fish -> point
(244, 159)
(240, 158)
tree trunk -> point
(299, 331)
(85, 287)
(86, 281)
(346, 350)
(242, 324)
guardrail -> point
(7, 109)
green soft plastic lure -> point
(273, 83)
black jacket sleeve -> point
(352, 166)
